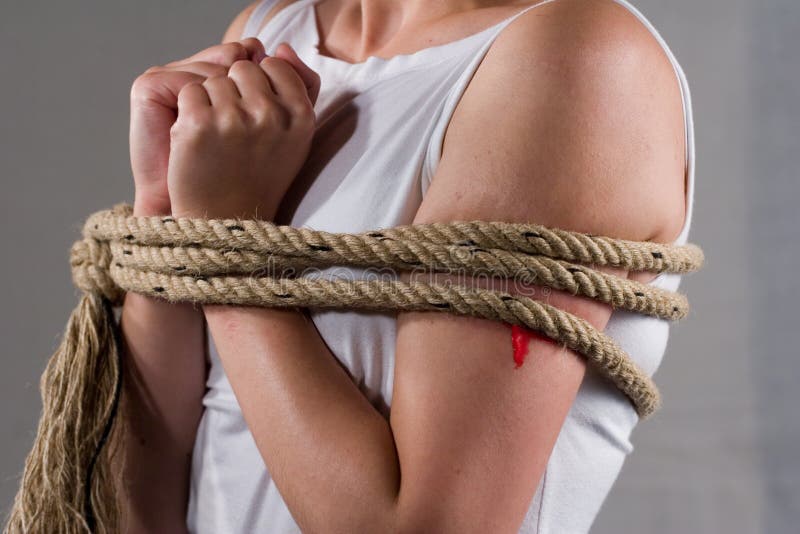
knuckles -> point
(232, 51)
(232, 122)
(254, 42)
(255, 117)
(264, 112)
(235, 123)
(273, 62)
(194, 125)
(217, 61)
(304, 115)
(241, 67)
(143, 84)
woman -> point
(374, 113)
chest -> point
(367, 161)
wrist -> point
(145, 206)
(234, 210)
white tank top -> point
(378, 141)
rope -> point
(246, 263)
(257, 263)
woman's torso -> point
(380, 129)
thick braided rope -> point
(246, 261)
(521, 269)
(266, 237)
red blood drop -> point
(520, 337)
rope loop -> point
(252, 262)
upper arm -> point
(573, 120)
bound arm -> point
(164, 344)
(574, 121)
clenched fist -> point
(240, 138)
(154, 108)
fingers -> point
(162, 87)
(255, 49)
(193, 98)
(222, 91)
(310, 78)
(287, 84)
(213, 62)
(258, 100)
(251, 81)
(202, 68)
(284, 75)
(273, 79)
(227, 54)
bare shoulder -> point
(573, 119)
(236, 27)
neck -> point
(374, 24)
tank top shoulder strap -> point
(256, 18)
(433, 152)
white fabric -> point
(380, 129)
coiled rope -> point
(250, 262)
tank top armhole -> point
(251, 27)
(688, 120)
(433, 152)
(671, 281)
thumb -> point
(310, 78)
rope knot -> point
(90, 261)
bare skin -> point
(165, 369)
(603, 153)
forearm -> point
(164, 383)
(330, 452)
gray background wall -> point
(720, 457)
